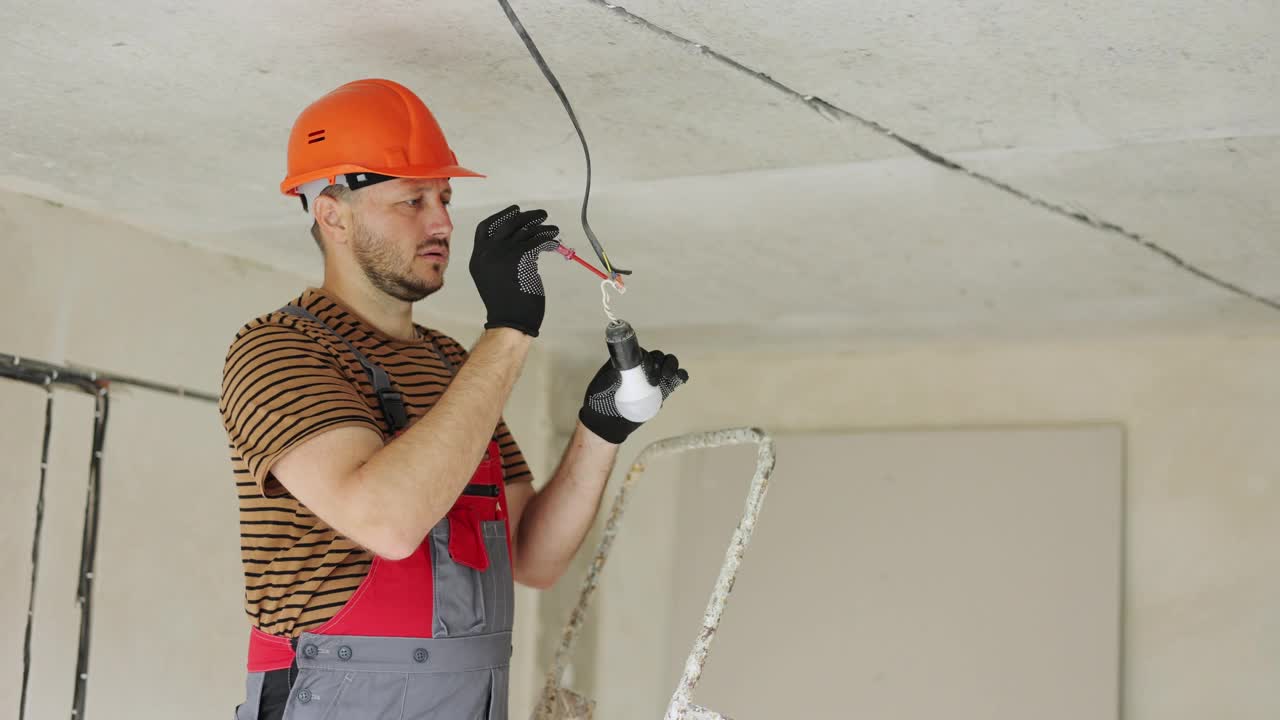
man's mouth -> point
(435, 253)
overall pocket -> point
(471, 569)
(470, 601)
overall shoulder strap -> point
(389, 399)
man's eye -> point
(413, 202)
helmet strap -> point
(308, 192)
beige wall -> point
(1203, 496)
(168, 619)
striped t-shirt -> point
(286, 380)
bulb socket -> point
(624, 346)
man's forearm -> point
(417, 477)
(557, 519)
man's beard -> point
(377, 258)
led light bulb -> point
(637, 399)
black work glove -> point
(599, 411)
(504, 265)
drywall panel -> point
(964, 574)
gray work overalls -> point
(424, 638)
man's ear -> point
(333, 216)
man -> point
(385, 508)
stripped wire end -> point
(604, 296)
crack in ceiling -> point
(835, 113)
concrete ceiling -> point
(993, 168)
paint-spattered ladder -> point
(561, 703)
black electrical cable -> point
(48, 376)
(89, 551)
(35, 552)
(39, 372)
(564, 100)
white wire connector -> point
(604, 297)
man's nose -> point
(438, 223)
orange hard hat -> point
(364, 132)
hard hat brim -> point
(290, 185)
